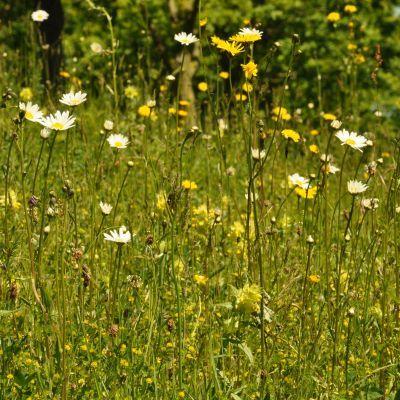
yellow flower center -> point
(118, 144)
(350, 142)
(28, 115)
(57, 126)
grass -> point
(236, 284)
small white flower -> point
(331, 169)
(185, 38)
(73, 99)
(40, 15)
(118, 141)
(44, 133)
(298, 180)
(108, 125)
(32, 111)
(356, 187)
(122, 236)
(170, 78)
(60, 121)
(335, 124)
(105, 208)
(352, 139)
(258, 154)
(97, 48)
(151, 103)
(222, 125)
(370, 204)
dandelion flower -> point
(202, 86)
(40, 15)
(118, 141)
(105, 208)
(185, 39)
(60, 121)
(352, 139)
(314, 148)
(73, 99)
(247, 35)
(250, 69)
(291, 134)
(356, 187)
(200, 279)
(306, 193)
(224, 75)
(32, 111)
(144, 111)
(247, 87)
(350, 8)
(232, 48)
(189, 185)
(26, 94)
(333, 17)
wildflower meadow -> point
(199, 200)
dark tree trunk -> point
(51, 30)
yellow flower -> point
(308, 193)
(314, 148)
(64, 74)
(291, 134)
(26, 94)
(10, 377)
(250, 69)
(246, 21)
(247, 87)
(181, 394)
(200, 279)
(161, 202)
(224, 75)
(149, 381)
(237, 229)
(12, 200)
(203, 22)
(314, 278)
(189, 185)
(123, 363)
(144, 111)
(314, 132)
(351, 47)
(359, 58)
(247, 35)
(184, 103)
(248, 299)
(240, 97)
(333, 17)
(202, 86)
(163, 88)
(350, 8)
(231, 48)
(171, 110)
(131, 92)
(182, 113)
(281, 113)
(328, 117)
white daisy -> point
(250, 31)
(105, 208)
(32, 111)
(60, 121)
(40, 15)
(356, 187)
(185, 38)
(336, 124)
(122, 236)
(73, 99)
(330, 168)
(170, 78)
(118, 141)
(370, 204)
(352, 139)
(45, 133)
(298, 180)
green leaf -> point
(243, 346)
